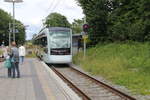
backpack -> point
(7, 63)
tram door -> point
(45, 48)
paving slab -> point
(35, 83)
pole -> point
(84, 39)
(84, 19)
(13, 21)
(9, 33)
(13, 28)
(84, 47)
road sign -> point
(85, 37)
(85, 28)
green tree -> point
(77, 26)
(20, 35)
(96, 12)
(117, 20)
(56, 20)
(5, 19)
(129, 20)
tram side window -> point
(44, 44)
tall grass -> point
(126, 64)
(1, 52)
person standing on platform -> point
(22, 53)
(15, 60)
(7, 60)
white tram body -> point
(55, 45)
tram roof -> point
(58, 28)
(40, 34)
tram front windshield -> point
(60, 39)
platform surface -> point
(35, 83)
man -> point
(22, 53)
(15, 60)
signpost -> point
(85, 36)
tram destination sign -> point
(13, 1)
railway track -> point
(87, 87)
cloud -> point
(32, 12)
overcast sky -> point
(32, 12)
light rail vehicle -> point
(54, 45)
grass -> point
(31, 50)
(1, 52)
(126, 64)
(32, 55)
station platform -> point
(36, 82)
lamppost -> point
(13, 2)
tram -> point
(54, 45)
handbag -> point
(7, 63)
(12, 60)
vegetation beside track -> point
(126, 64)
(1, 52)
(31, 55)
(31, 50)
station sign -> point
(85, 37)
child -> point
(9, 68)
(7, 61)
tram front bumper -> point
(60, 59)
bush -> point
(1, 52)
(126, 64)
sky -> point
(33, 12)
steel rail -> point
(113, 90)
(78, 91)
